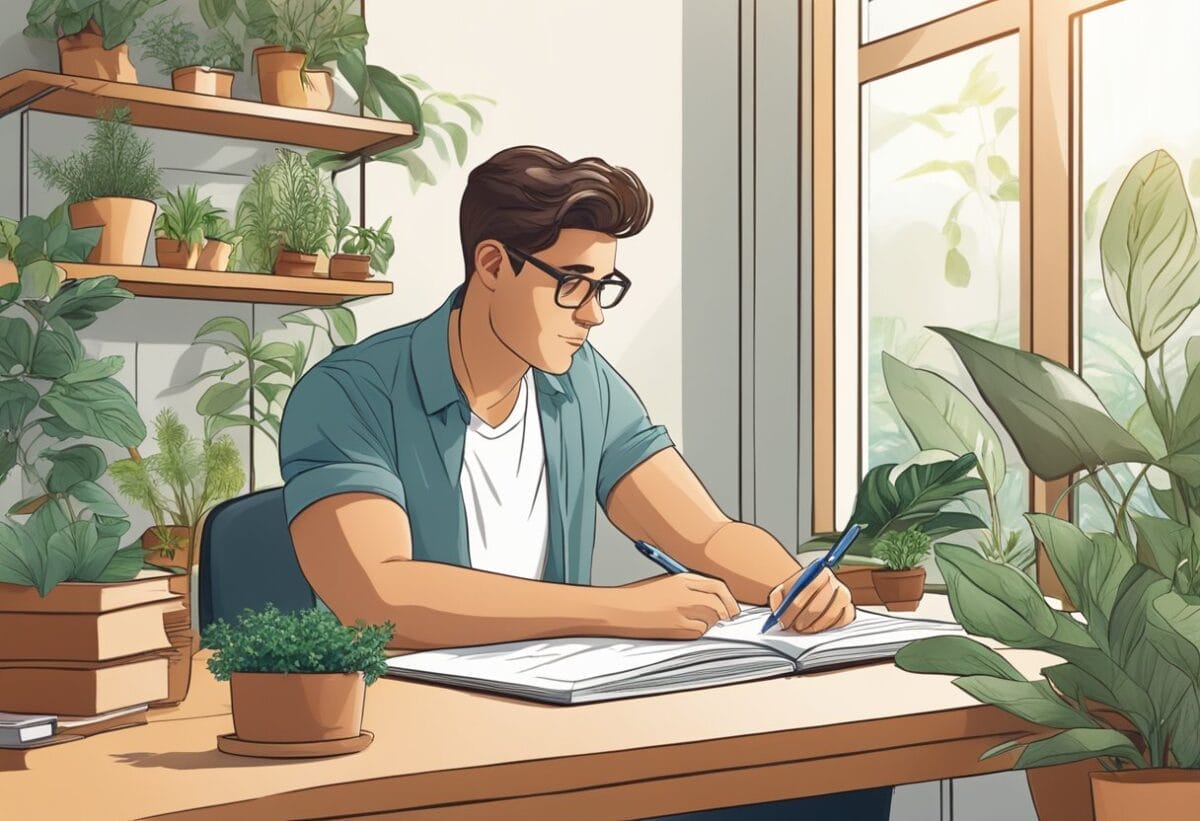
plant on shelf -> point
(91, 34)
(180, 227)
(298, 677)
(111, 184)
(252, 388)
(901, 582)
(363, 250)
(71, 527)
(1127, 692)
(201, 68)
(285, 217)
(220, 239)
(178, 485)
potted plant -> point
(1127, 692)
(206, 68)
(363, 250)
(180, 228)
(297, 681)
(219, 240)
(901, 582)
(112, 185)
(91, 35)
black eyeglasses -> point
(574, 290)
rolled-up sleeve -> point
(337, 436)
(629, 436)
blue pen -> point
(828, 560)
(665, 561)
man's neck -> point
(487, 371)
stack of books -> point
(86, 650)
(26, 730)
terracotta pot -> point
(295, 707)
(126, 225)
(280, 80)
(182, 536)
(84, 55)
(173, 253)
(857, 579)
(318, 89)
(295, 264)
(214, 256)
(350, 266)
(216, 82)
(1064, 791)
(1164, 794)
(900, 589)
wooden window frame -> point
(1048, 119)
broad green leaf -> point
(8, 456)
(223, 421)
(16, 344)
(1089, 211)
(1192, 354)
(124, 565)
(16, 557)
(299, 318)
(955, 656)
(1056, 420)
(952, 231)
(931, 122)
(1031, 700)
(1177, 631)
(271, 390)
(982, 85)
(343, 323)
(79, 301)
(17, 399)
(54, 354)
(1149, 251)
(458, 136)
(1077, 745)
(958, 270)
(963, 168)
(223, 396)
(110, 527)
(1185, 421)
(89, 370)
(1163, 543)
(272, 350)
(1009, 191)
(231, 325)
(1001, 117)
(999, 168)
(98, 500)
(75, 544)
(58, 429)
(102, 408)
(39, 280)
(1143, 427)
(941, 417)
(945, 523)
(79, 463)
(1093, 676)
(396, 95)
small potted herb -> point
(302, 216)
(201, 68)
(364, 250)
(85, 47)
(180, 228)
(111, 184)
(901, 584)
(296, 679)
(219, 239)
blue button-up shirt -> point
(386, 416)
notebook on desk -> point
(579, 670)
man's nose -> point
(590, 314)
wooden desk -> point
(446, 753)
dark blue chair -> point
(247, 559)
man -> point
(441, 474)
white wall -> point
(584, 78)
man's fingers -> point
(833, 615)
(717, 588)
(801, 616)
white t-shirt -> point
(503, 484)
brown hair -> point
(525, 195)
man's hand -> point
(825, 603)
(678, 606)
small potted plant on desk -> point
(206, 68)
(901, 583)
(363, 250)
(180, 228)
(297, 681)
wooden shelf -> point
(229, 286)
(200, 113)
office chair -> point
(247, 559)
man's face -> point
(524, 313)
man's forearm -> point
(442, 605)
(747, 558)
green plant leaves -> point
(231, 325)
(98, 500)
(17, 399)
(941, 417)
(1075, 745)
(1056, 420)
(78, 463)
(962, 168)
(957, 269)
(222, 397)
(955, 656)
(54, 354)
(89, 370)
(78, 301)
(103, 409)
(1033, 701)
(343, 323)
(1002, 116)
(39, 280)
(1149, 251)
(16, 345)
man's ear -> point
(490, 263)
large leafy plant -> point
(181, 482)
(49, 19)
(1127, 690)
(116, 163)
(287, 204)
(52, 399)
(306, 641)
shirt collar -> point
(431, 361)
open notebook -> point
(577, 670)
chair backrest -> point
(247, 559)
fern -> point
(116, 163)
